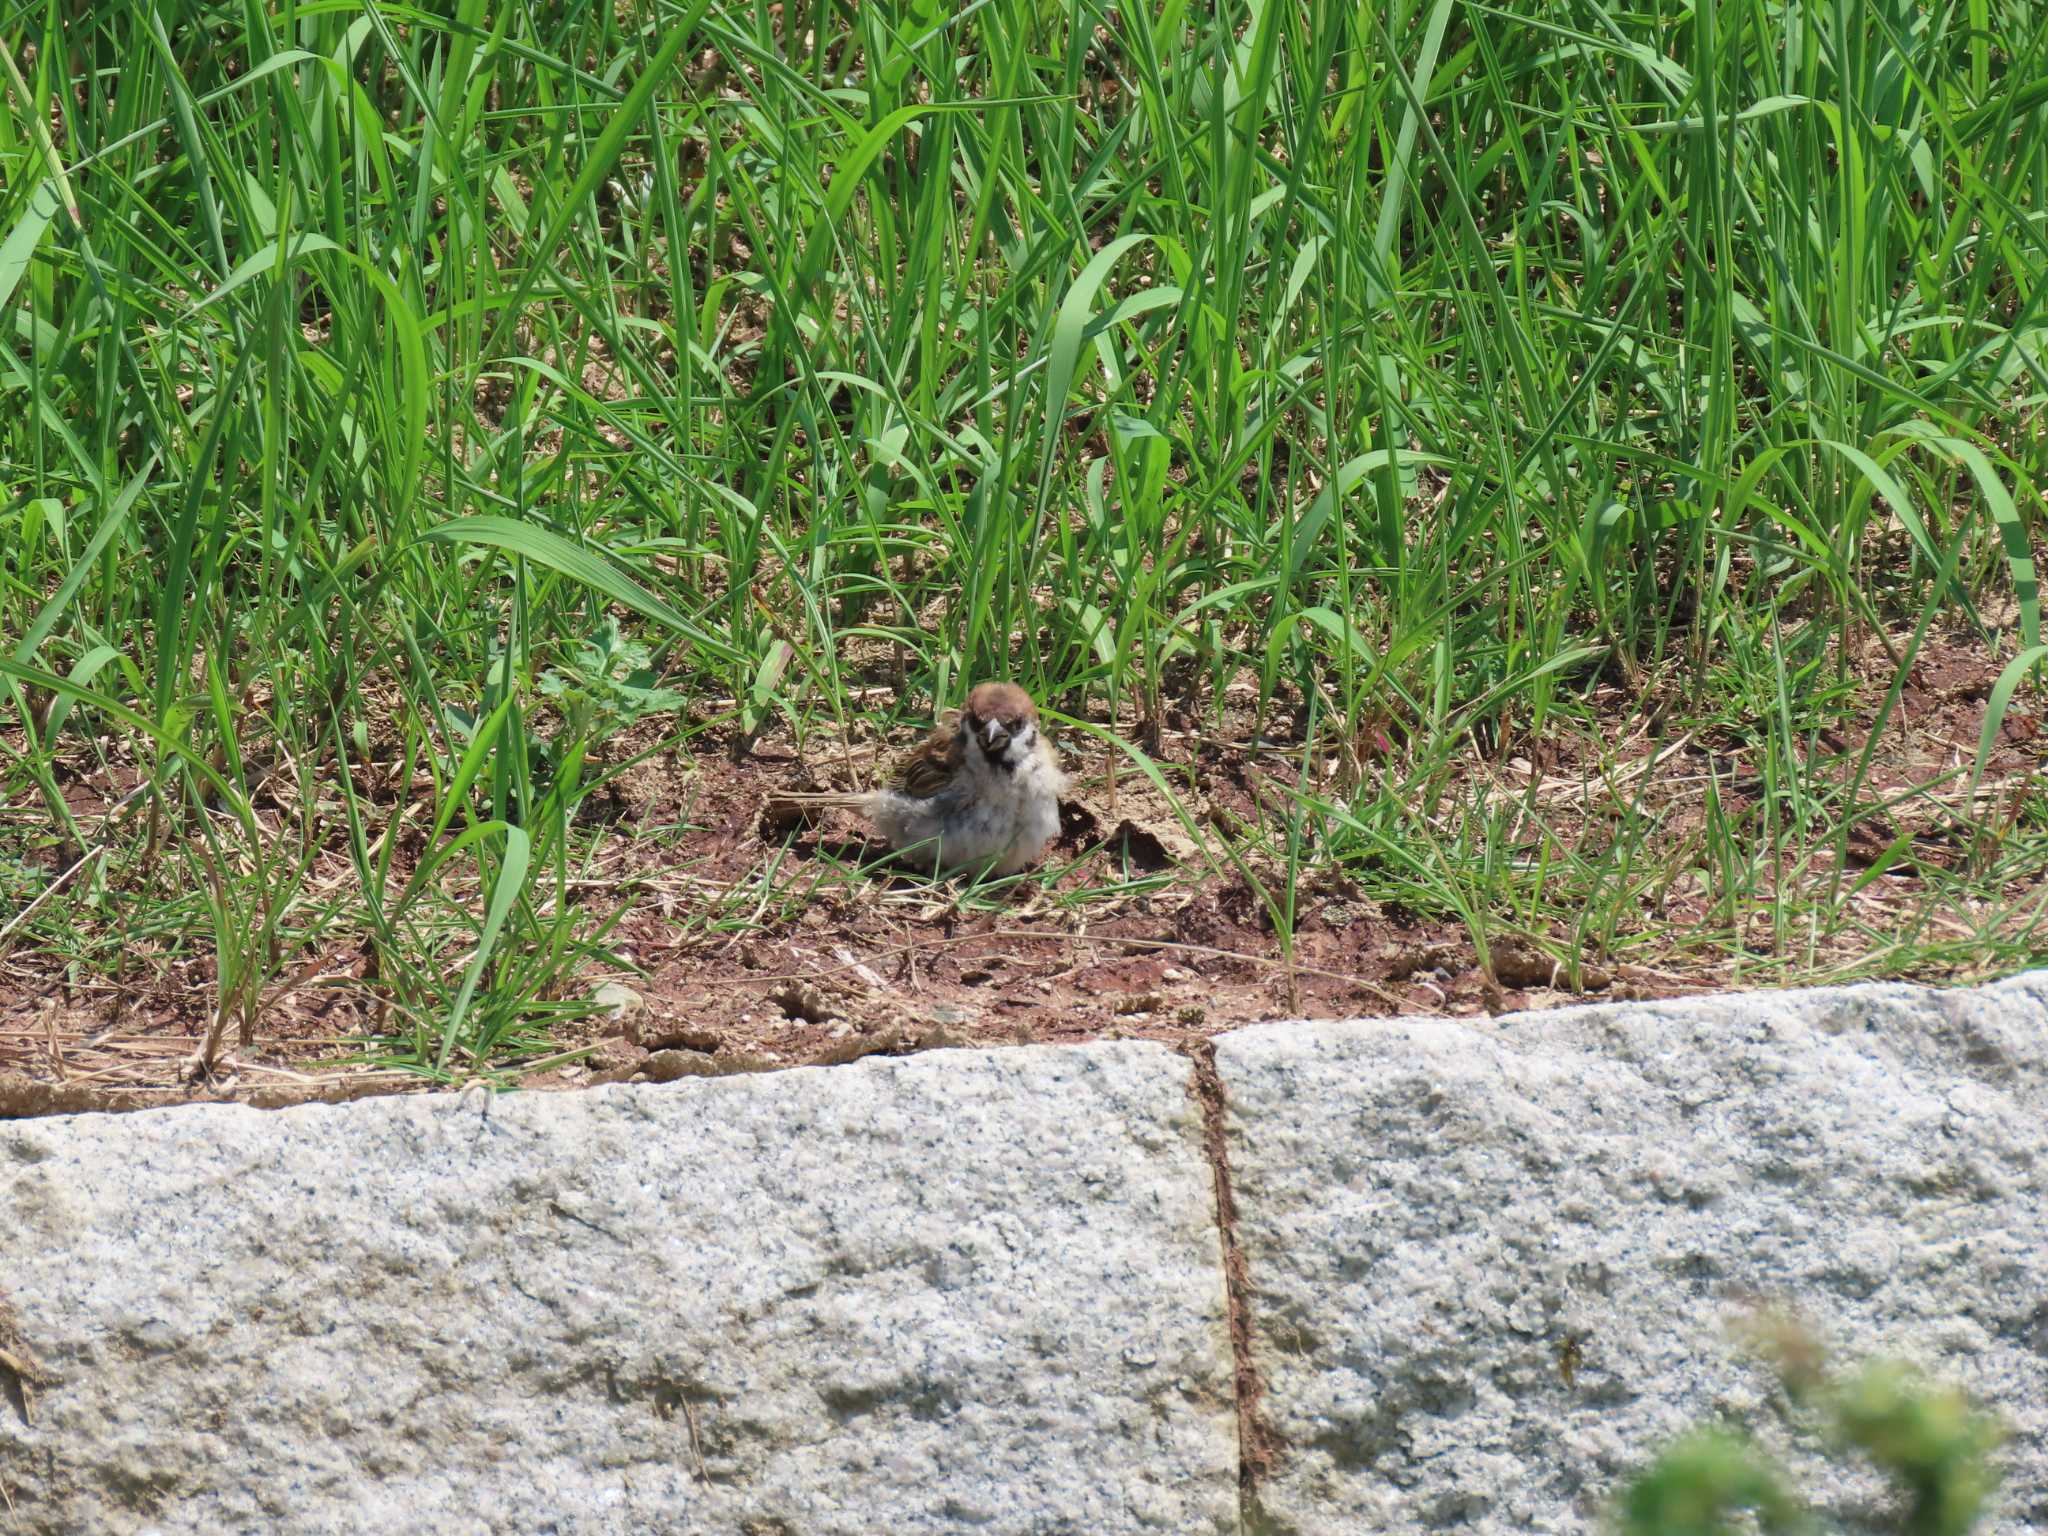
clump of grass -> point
(1459, 379)
(1926, 1440)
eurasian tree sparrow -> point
(986, 792)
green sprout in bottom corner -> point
(1927, 1440)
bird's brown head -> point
(1001, 720)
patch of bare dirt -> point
(747, 948)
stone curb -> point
(1469, 1273)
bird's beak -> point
(996, 735)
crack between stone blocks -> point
(1258, 1446)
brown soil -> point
(751, 948)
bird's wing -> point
(930, 768)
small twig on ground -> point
(696, 1446)
(50, 1034)
(98, 850)
(46, 893)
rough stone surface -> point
(1491, 1263)
(969, 1291)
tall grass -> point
(1427, 363)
